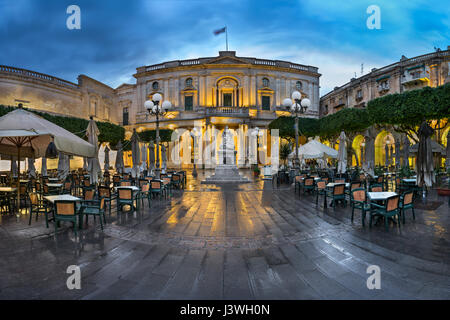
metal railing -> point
(241, 111)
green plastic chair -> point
(66, 210)
(406, 202)
(358, 201)
(320, 189)
(337, 193)
(94, 208)
(37, 207)
(390, 209)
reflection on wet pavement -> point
(255, 240)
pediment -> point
(227, 60)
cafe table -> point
(53, 179)
(410, 181)
(381, 196)
(332, 184)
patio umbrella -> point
(143, 158)
(386, 153)
(369, 163)
(434, 146)
(119, 158)
(33, 134)
(406, 151)
(314, 150)
(92, 133)
(447, 160)
(397, 153)
(425, 168)
(85, 163)
(63, 166)
(106, 167)
(391, 155)
(342, 154)
(164, 158)
(135, 154)
(44, 167)
(151, 156)
(31, 168)
(14, 167)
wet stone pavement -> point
(250, 241)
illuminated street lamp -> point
(154, 108)
(194, 134)
(296, 106)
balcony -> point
(226, 111)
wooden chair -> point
(67, 188)
(106, 193)
(157, 187)
(308, 185)
(176, 180)
(376, 188)
(125, 197)
(125, 183)
(389, 210)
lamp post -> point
(154, 108)
(296, 106)
(363, 145)
(256, 134)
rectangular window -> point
(265, 102)
(125, 116)
(188, 103)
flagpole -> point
(226, 36)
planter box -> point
(443, 191)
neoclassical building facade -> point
(208, 94)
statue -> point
(227, 153)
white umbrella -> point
(106, 167)
(447, 161)
(31, 168)
(369, 163)
(119, 158)
(151, 156)
(164, 158)
(135, 154)
(63, 166)
(342, 154)
(44, 167)
(425, 174)
(143, 157)
(33, 133)
(85, 163)
(92, 133)
(313, 150)
(14, 168)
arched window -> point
(155, 85)
(298, 85)
(265, 82)
(189, 82)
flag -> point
(219, 31)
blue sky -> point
(118, 36)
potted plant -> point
(444, 187)
(256, 170)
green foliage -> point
(150, 135)
(348, 120)
(405, 172)
(378, 170)
(412, 107)
(308, 127)
(285, 150)
(108, 132)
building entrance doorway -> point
(227, 99)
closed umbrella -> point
(397, 153)
(151, 159)
(406, 151)
(31, 168)
(342, 154)
(85, 163)
(447, 161)
(164, 158)
(44, 167)
(63, 166)
(14, 168)
(119, 158)
(386, 154)
(425, 175)
(144, 157)
(92, 133)
(106, 167)
(135, 154)
(391, 155)
(369, 157)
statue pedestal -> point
(225, 173)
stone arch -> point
(228, 92)
(358, 149)
(380, 147)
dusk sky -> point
(116, 37)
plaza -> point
(251, 241)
